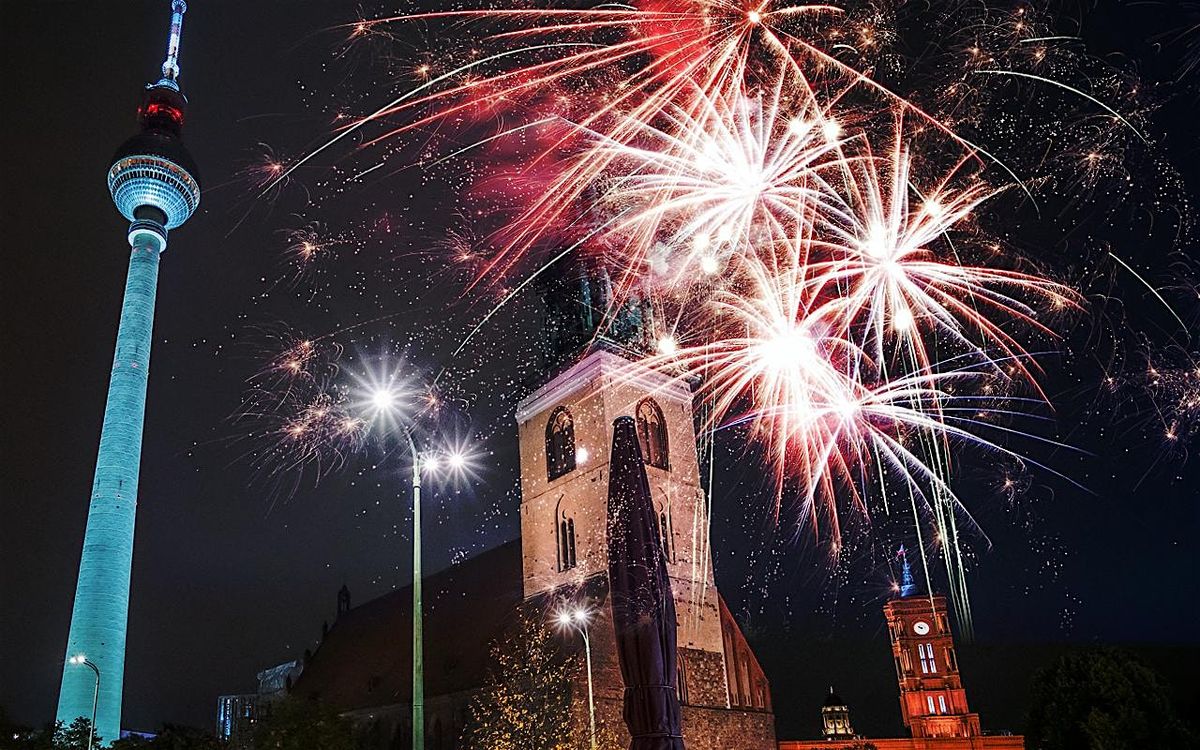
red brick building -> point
(933, 701)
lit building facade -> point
(835, 718)
(237, 714)
(154, 185)
(565, 435)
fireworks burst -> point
(815, 237)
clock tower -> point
(933, 702)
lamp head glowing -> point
(383, 399)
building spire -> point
(907, 585)
(170, 66)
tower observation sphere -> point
(155, 186)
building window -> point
(560, 443)
(932, 661)
(681, 678)
(929, 698)
(951, 664)
(941, 704)
(652, 433)
(566, 544)
(924, 661)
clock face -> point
(920, 628)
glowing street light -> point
(384, 402)
(83, 660)
(577, 618)
(383, 399)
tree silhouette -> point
(295, 724)
(1103, 700)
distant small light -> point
(754, 16)
(581, 455)
(667, 346)
(708, 264)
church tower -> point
(933, 702)
(565, 437)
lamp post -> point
(81, 659)
(385, 404)
(577, 619)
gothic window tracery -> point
(567, 557)
(560, 443)
(652, 434)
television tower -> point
(153, 182)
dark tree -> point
(295, 724)
(172, 737)
(18, 737)
(1103, 700)
(75, 736)
(53, 736)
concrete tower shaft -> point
(153, 184)
(98, 618)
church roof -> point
(365, 659)
(833, 700)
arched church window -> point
(566, 541)
(652, 433)
(560, 443)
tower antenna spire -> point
(170, 66)
(907, 585)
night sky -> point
(232, 574)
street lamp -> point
(578, 618)
(81, 659)
(384, 403)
